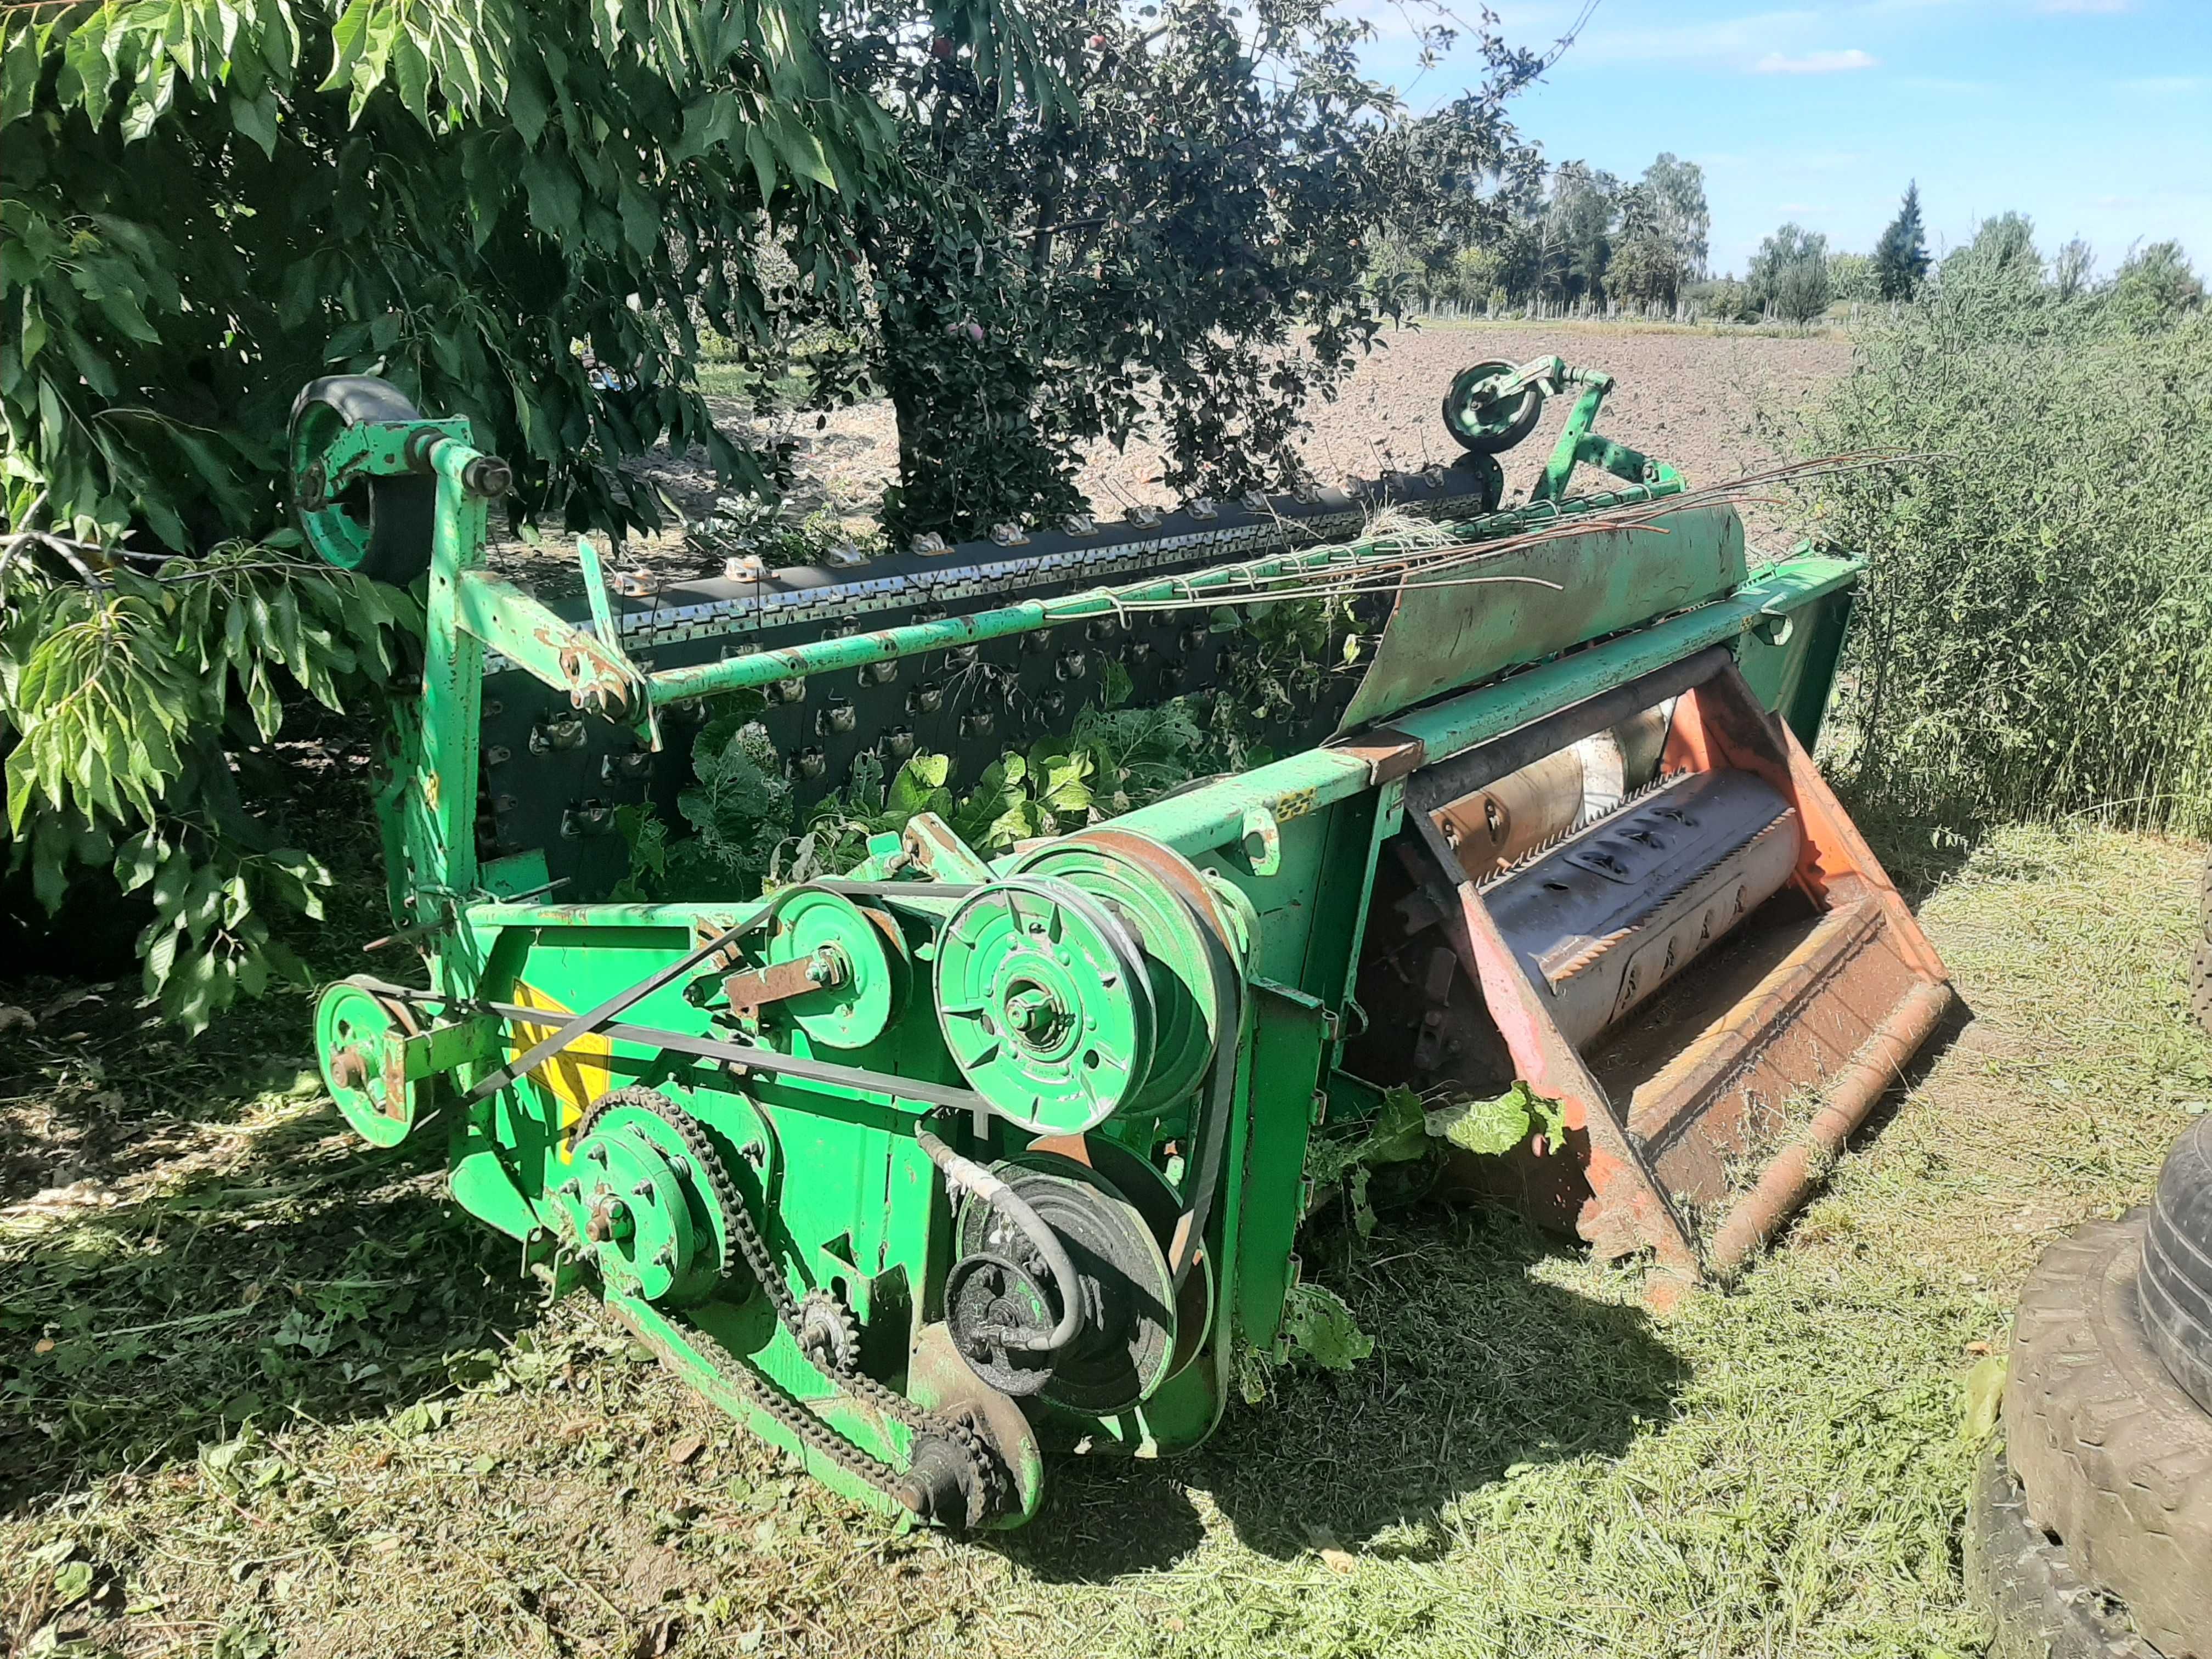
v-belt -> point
(602, 1019)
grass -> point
(262, 1393)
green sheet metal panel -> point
(1583, 586)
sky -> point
(2092, 117)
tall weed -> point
(2034, 637)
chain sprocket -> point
(983, 1488)
(828, 1334)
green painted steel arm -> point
(597, 675)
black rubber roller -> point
(381, 528)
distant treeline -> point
(1586, 242)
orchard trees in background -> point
(1789, 275)
(1575, 234)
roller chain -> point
(984, 1488)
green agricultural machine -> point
(925, 1170)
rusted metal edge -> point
(1628, 1209)
(1710, 1061)
(1803, 1165)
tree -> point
(1579, 225)
(1901, 258)
(1142, 252)
(1660, 247)
(1677, 192)
(1853, 277)
(2072, 268)
(200, 220)
(1646, 267)
(206, 203)
(2003, 249)
(1789, 275)
(2156, 286)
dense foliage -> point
(1139, 253)
(207, 204)
(143, 706)
(2034, 637)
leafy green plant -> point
(135, 698)
(738, 810)
(2034, 636)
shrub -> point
(2035, 633)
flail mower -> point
(924, 1168)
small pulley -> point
(360, 1037)
(837, 972)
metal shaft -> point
(766, 668)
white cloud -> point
(1815, 63)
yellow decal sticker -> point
(575, 1077)
(1294, 805)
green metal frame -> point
(849, 1201)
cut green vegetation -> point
(263, 1393)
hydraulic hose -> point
(967, 1176)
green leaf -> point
(1985, 1392)
(1489, 1127)
(256, 118)
(1321, 1329)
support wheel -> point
(382, 527)
(1486, 424)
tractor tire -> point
(2114, 1460)
(2200, 964)
(2037, 1603)
(2175, 1287)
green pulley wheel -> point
(639, 1196)
(1166, 904)
(359, 1035)
(862, 963)
(1045, 1004)
(1484, 423)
